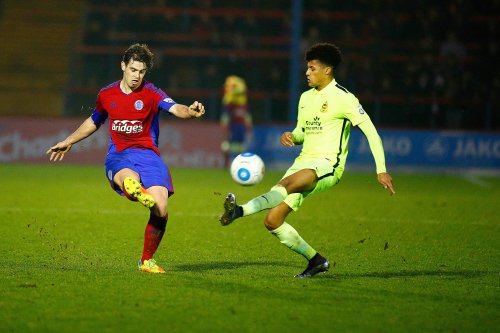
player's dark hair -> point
(327, 53)
(141, 53)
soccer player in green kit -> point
(326, 113)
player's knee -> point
(290, 185)
(160, 209)
(271, 223)
(161, 201)
(285, 182)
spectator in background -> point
(452, 48)
(236, 120)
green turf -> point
(425, 260)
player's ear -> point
(328, 70)
(123, 66)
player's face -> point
(133, 73)
(229, 86)
(317, 74)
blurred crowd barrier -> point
(432, 151)
(26, 140)
(197, 145)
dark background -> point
(418, 65)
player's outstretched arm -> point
(58, 150)
(195, 110)
(377, 149)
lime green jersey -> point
(324, 123)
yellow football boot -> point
(136, 192)
(150, 266)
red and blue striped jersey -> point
(133, 118)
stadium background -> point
(425, 70)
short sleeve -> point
(99, 115)
(161, 99)
(166, 103)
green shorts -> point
(328, 177)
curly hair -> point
(327, 53)
(141, 53)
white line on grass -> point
(476, 180)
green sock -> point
(291, 238)
(268, 200)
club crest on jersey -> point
(324, 107)
(139, 105)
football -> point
(247, 169)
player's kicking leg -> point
(231, 210)
(268, 200)
(136, 192)
(127, 172)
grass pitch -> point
(425, 260)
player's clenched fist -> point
(196, 109)
(286, 139)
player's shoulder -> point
(339, 89)
(151, 88)
(109, 87)
(308, 93)
(149, 85)
(340, 92)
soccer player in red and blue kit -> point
(133, 164)
(236, 120)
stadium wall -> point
(406, 150)
(182, 143)
(197, 144)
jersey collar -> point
(327, 88)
